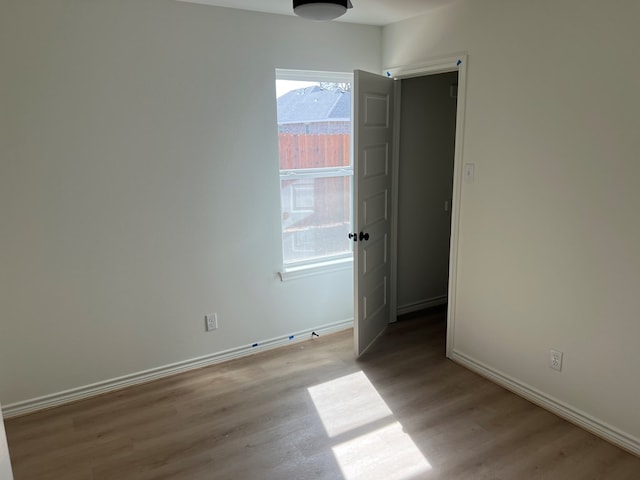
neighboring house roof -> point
(314, 104)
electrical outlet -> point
(555, 360)
(211, 322)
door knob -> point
(364, 236)
(354, 236)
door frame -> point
(450, 63)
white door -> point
(373, 134)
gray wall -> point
(427, 141)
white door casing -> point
(373, 148)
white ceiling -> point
(369, 12)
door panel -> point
(375, 209)
(374, 256)
(376, 161)
(373, 134)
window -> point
(314, 146)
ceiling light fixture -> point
(321, 10)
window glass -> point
(314, 144)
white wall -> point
(5, 461)
(425, 181)
(549, 230)
(139, 185)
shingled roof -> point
(314, 104)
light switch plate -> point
(469, 172)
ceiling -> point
(369, 12)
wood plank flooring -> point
(311, 411)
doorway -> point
(376, 111)
(426, 138)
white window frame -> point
(335, 262)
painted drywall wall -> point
(139, 185)
(549, 229)
(5, 462)
(425, 182)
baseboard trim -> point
(573, 415)
(421, 305)
(99, 388)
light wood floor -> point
(310, 411)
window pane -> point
(314, 132)
(314, 125)
(316, 214)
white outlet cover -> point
(211, 322)
(555, 360)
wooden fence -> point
(314, 151)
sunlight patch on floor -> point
(369, 441)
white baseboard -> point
(573, 415)
(87, 391)
(421, 305)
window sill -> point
(313, 269)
